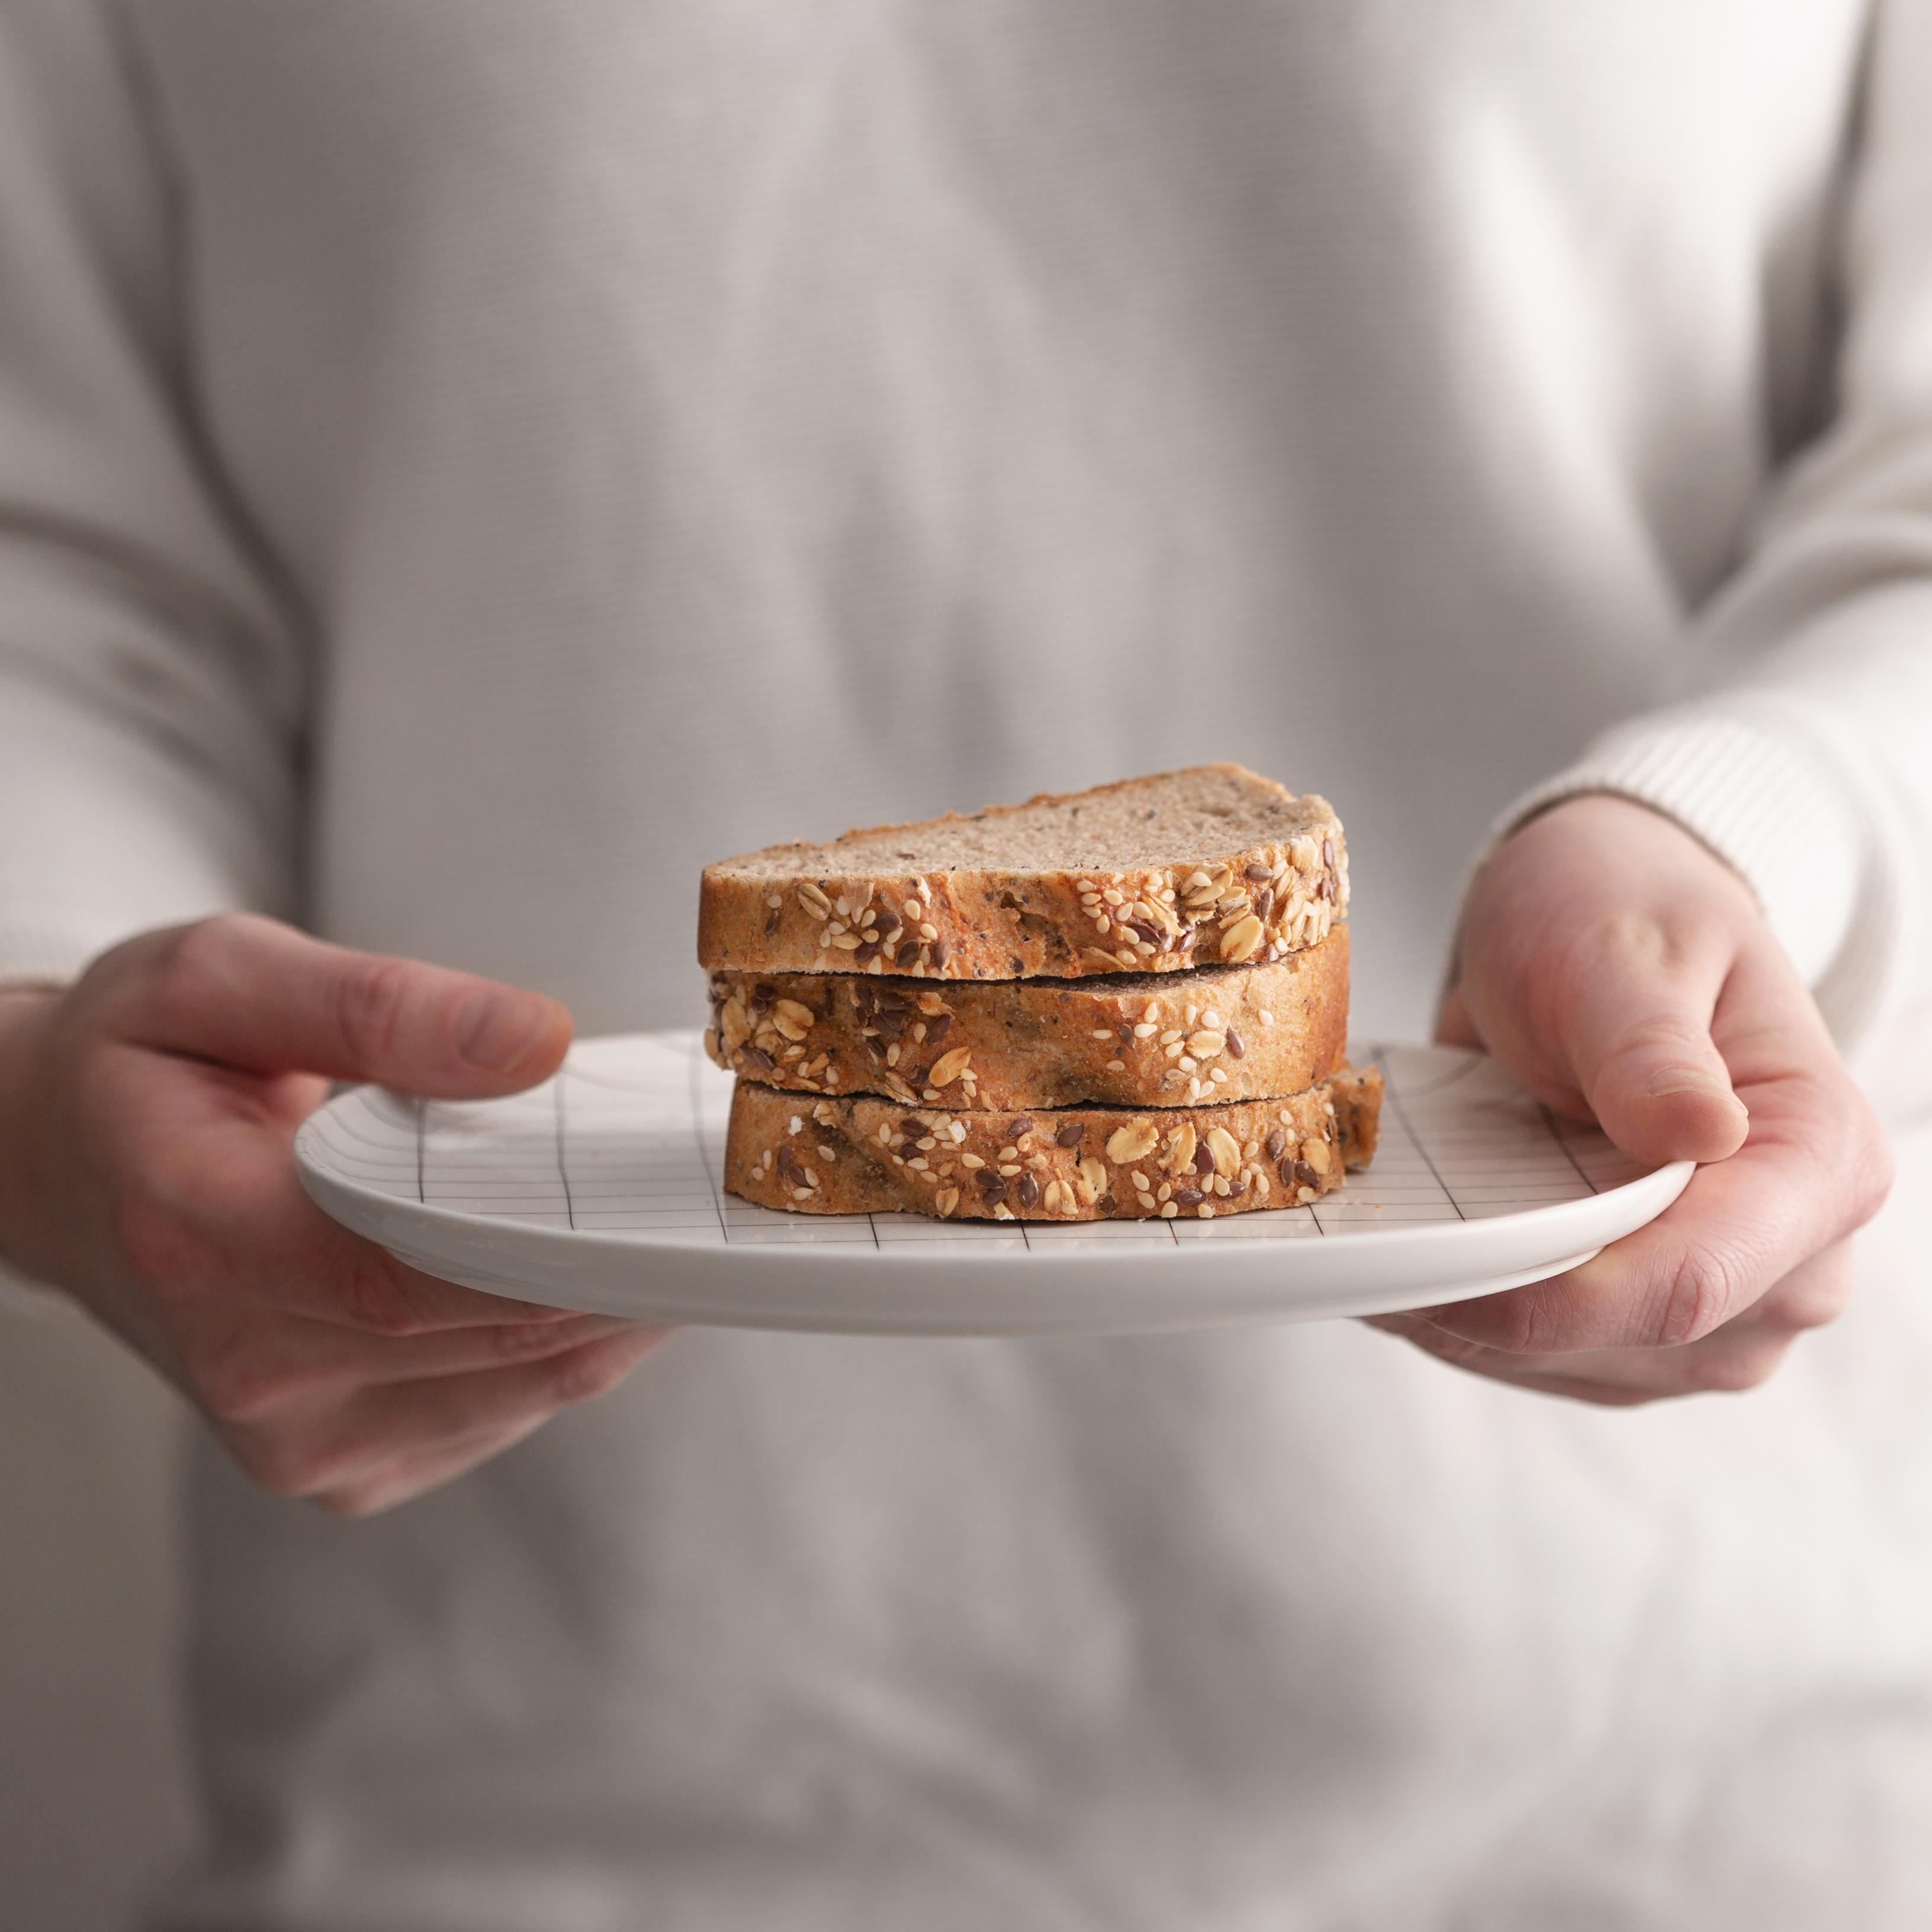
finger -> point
(223, 1223)
(408, 1476)
(254, 994)
(346, 1445)
(1739, 1356)
(1633, 1014)
(1814, 1167)
(1545, 1375)
(210, 1216)
(250, 1369)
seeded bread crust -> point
(1226, 1033)
(1226, 867)
(862, 1155)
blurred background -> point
(95, 1800)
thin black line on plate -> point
(563, 1165)
(698, 1135)
(422, 1197)
(1414, 1138)
(1556, 1134)
(871, 1221)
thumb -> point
(252, 993)
(1637, 1025)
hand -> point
(1621, 972)
(146, 1116)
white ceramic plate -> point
(601, 1190)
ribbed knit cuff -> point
(1755, 793)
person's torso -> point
(688, 426)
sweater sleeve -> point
(1804, 758)
(151, 684)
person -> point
(464, 468)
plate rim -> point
(1093, 1287)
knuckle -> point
(511, 1343)
(1659, 1035)
(371, 998)
(355, 1500)
(1624, 935)
(189, 957)
(1815, 1294)
(369, 1295)
(165, 969)
(1524, 1321)
(239, 1378)
(1737, 1370)
(285, 1462)
(1696, 1296)
(583, 1375)
(1873, 1170)
(147, 1233)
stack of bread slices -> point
(1128, 1003)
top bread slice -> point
(1207, 866)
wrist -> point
(25, 1009)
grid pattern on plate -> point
(629, 1140)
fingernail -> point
(494, 1030)
(1669, 1080)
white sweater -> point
(462, 466)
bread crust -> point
(862, 1155)
(1240, 1033)
(807, 908)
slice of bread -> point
(1223, 1033)
(1210, 866)
(865, 1157)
